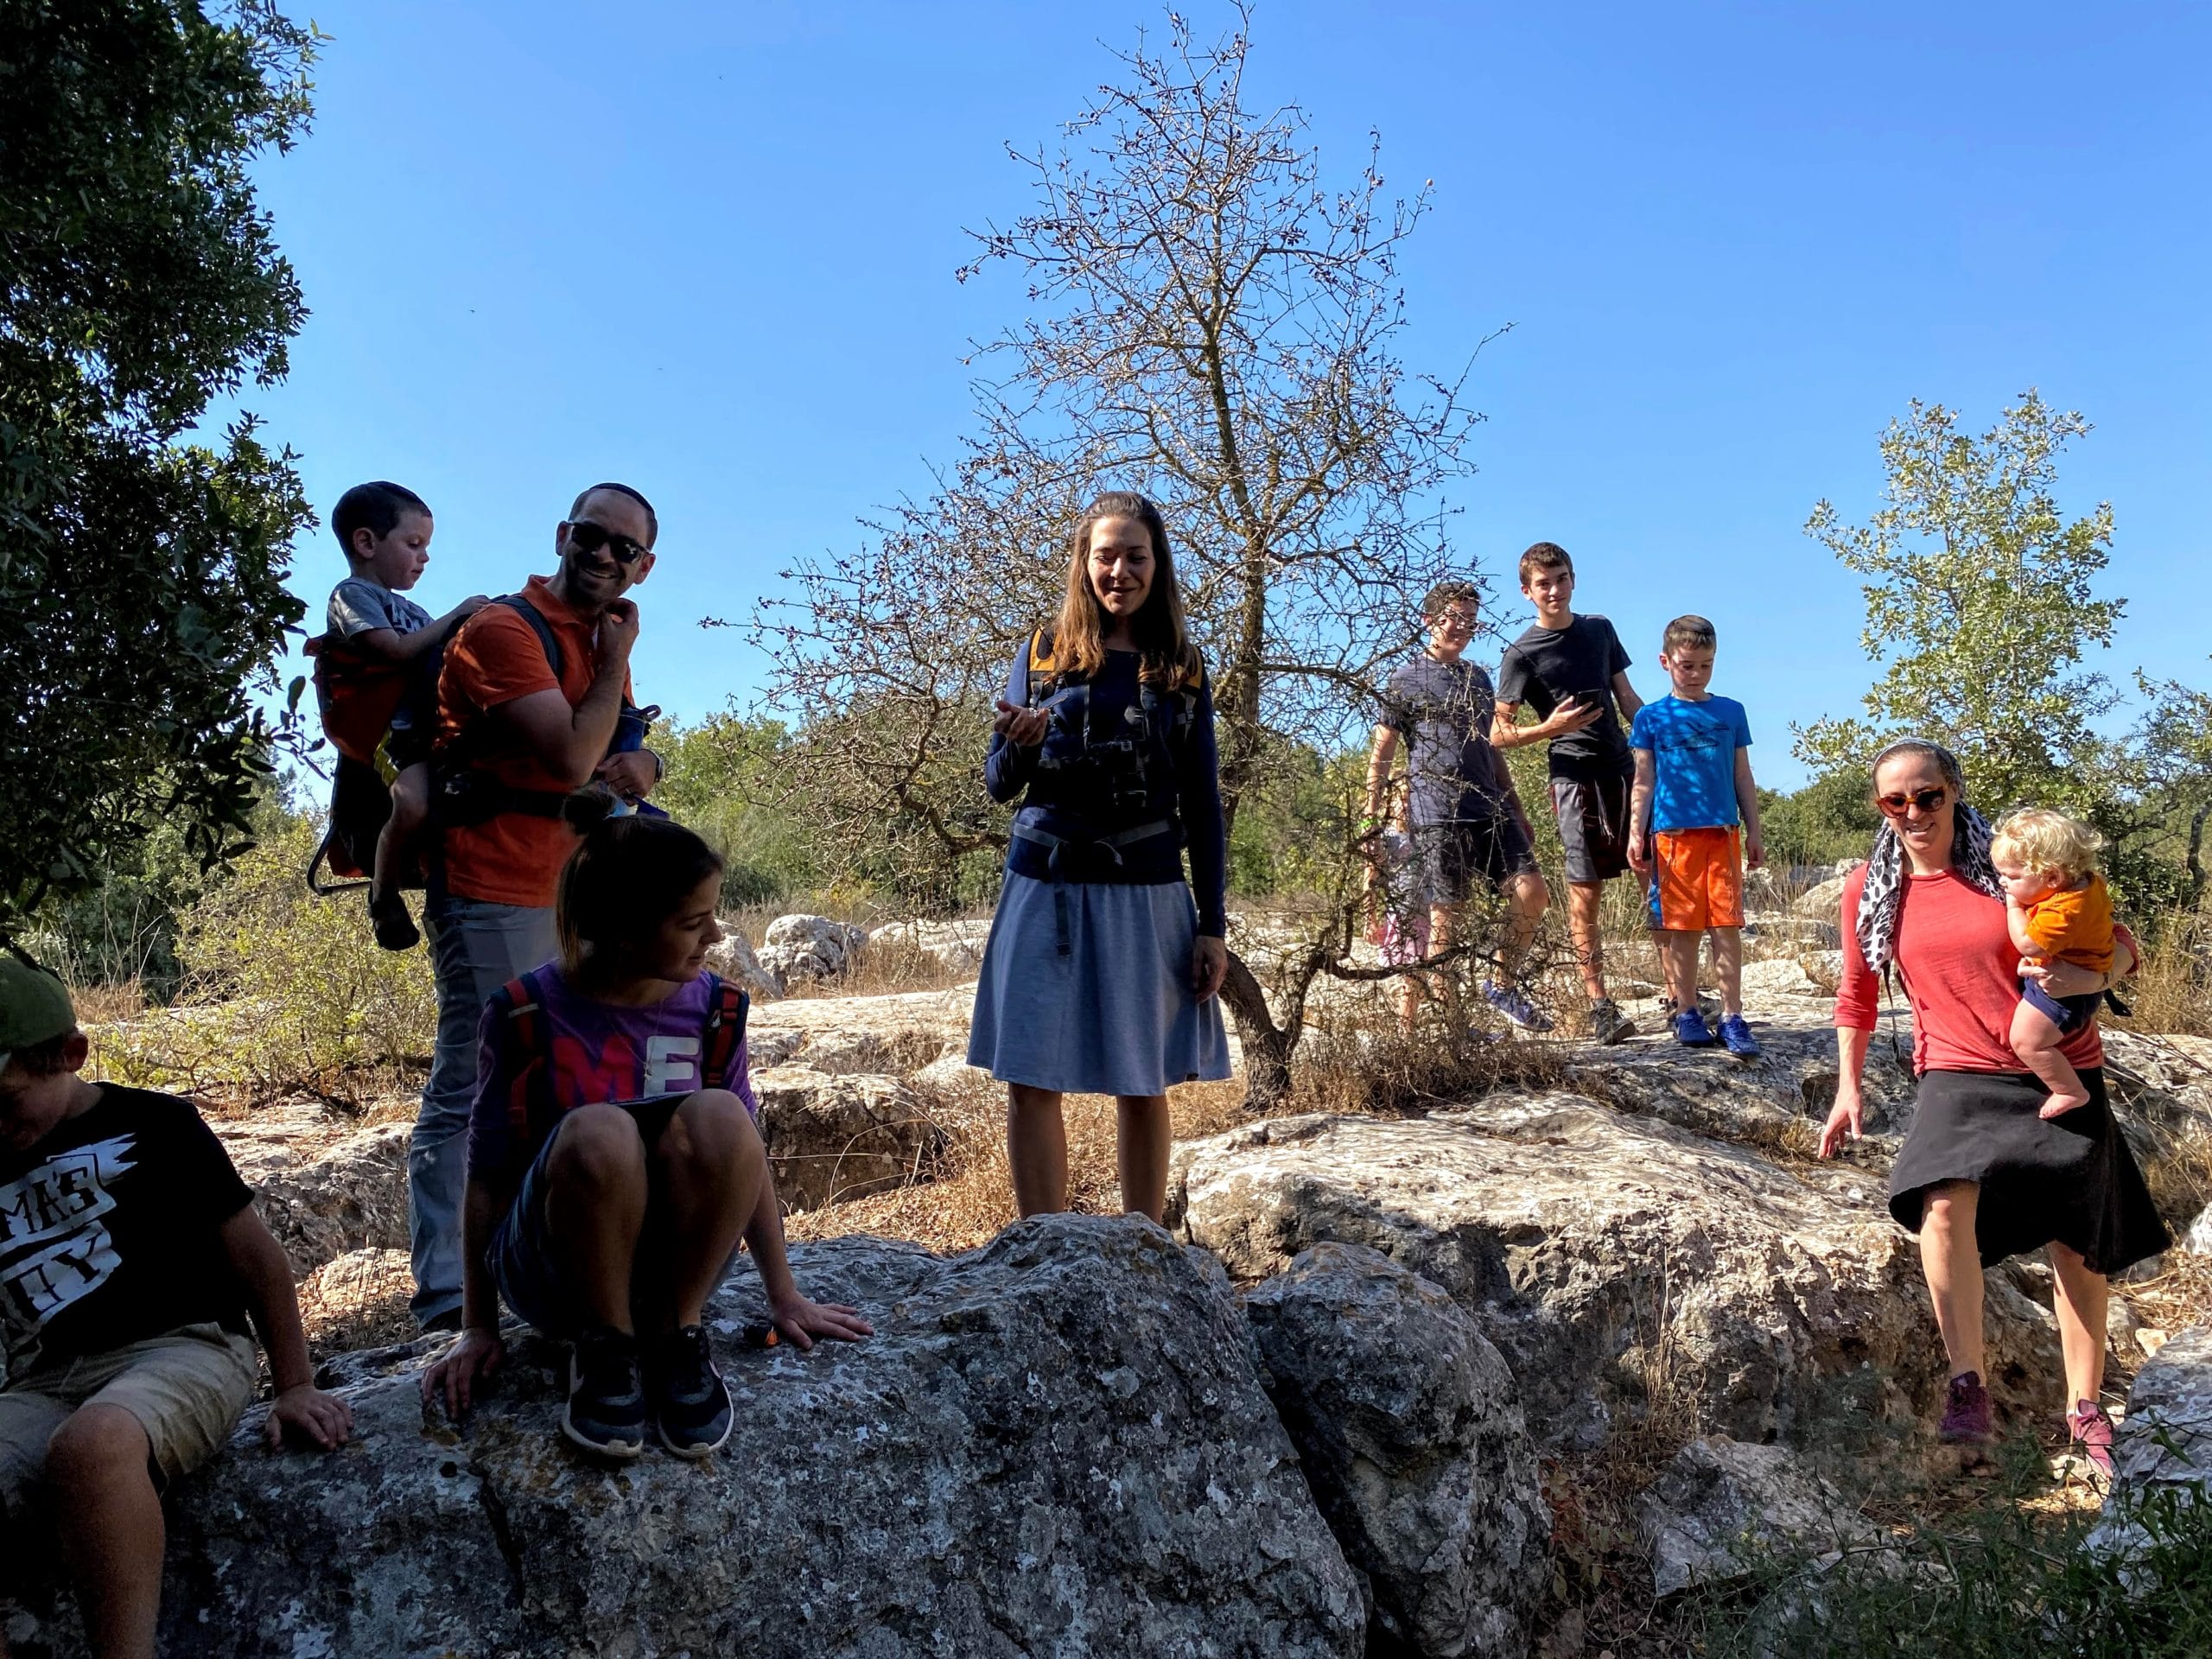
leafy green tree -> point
(1981, 607)
(140, 568)
(721, 778)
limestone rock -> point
(2163, 1451)
(1609, 1257)
(1721, 1503)
(731, 957)
(2198, 1240)
(1056, 1444)
(1823, 900)
(810, 948)
(896, 1036)
(955, 946)
(1787, 1092)
(1409, 1428)
(323, 1198)
(831, 1137)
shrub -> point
(284, 992)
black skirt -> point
(2069, 1179)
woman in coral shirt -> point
(1980, 1175)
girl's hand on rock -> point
(1208, 966)
(802, 1321)
(470, 1361)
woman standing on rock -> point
(1101, 972)
(1981, 1176)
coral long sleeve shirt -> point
(1961, 976)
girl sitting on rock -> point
(1101, 970)
(612, 1157)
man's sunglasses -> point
(1927, 800)
(589, 538)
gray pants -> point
(475, 947)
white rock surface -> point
(802, 948)
(833, 1136)
(956, 946)
(2162, 1452)
(1722, 1504)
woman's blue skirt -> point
(1086, 989)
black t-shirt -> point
(1443, 711)
(1546, 666)
(109, 1232)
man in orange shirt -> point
(529, 696)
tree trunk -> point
(1267, 1046)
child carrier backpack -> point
(462, 792)
(530, 1098)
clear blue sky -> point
(709, 249)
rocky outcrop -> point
(2162, 1455)
(1610, 1257)
(321, 1196)
(896, 1036)
(1056, 1444)
(956, 946)
(798, 949)
(731, 957)
(1410, 1430)
(832, 1136)
(1720, 1506)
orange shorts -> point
(1697, 879)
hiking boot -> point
(605, 1412)
(1607, 1023)
(395, 928)
(690, 1399)
(2089, 1430)
(1966, 1411)
(1515, 1006)
(1692, 1032)
(1736, 1032)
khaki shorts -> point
(188, 1390)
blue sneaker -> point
(1737, 1035)
(1691, 1031)
(1516, 1006)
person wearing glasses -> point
(531, 695)
(1982, 1175)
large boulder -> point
(1410, 1430)
(802, 949)
(732, 958)
(1720, 1506)
(1056, 1444)
(1777, 1100)
(832, 1136)
(322, 1195)
(1611, 1258)
(2162, 1455)
(955, 946)
(897, 1035)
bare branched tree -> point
(1212, 323)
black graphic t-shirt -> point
(109, 1232)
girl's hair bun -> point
(588, 808)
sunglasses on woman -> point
(1924, 800)
(589, 538)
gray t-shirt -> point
(1443, 712)
(360, 606)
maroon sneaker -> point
(2089, 1427)
(1966, 1411)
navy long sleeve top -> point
(1181, 786)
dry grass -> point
(360, 1301)
(2172, 990)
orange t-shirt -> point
(2074, 926)
(514, 858)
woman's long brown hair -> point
(1165, 655)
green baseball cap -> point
(34, 1006)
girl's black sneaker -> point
(691, 1402)
(605, 1412)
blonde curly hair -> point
(2043, 839)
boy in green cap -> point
(131, 1257)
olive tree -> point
(141, 566)
(1207, 318)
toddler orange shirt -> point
(2074, 926)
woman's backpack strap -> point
(727, 1008)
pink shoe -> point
(2089, 1427)
(1966, 1411)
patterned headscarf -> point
(1883, 900)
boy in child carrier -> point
(375, 679)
